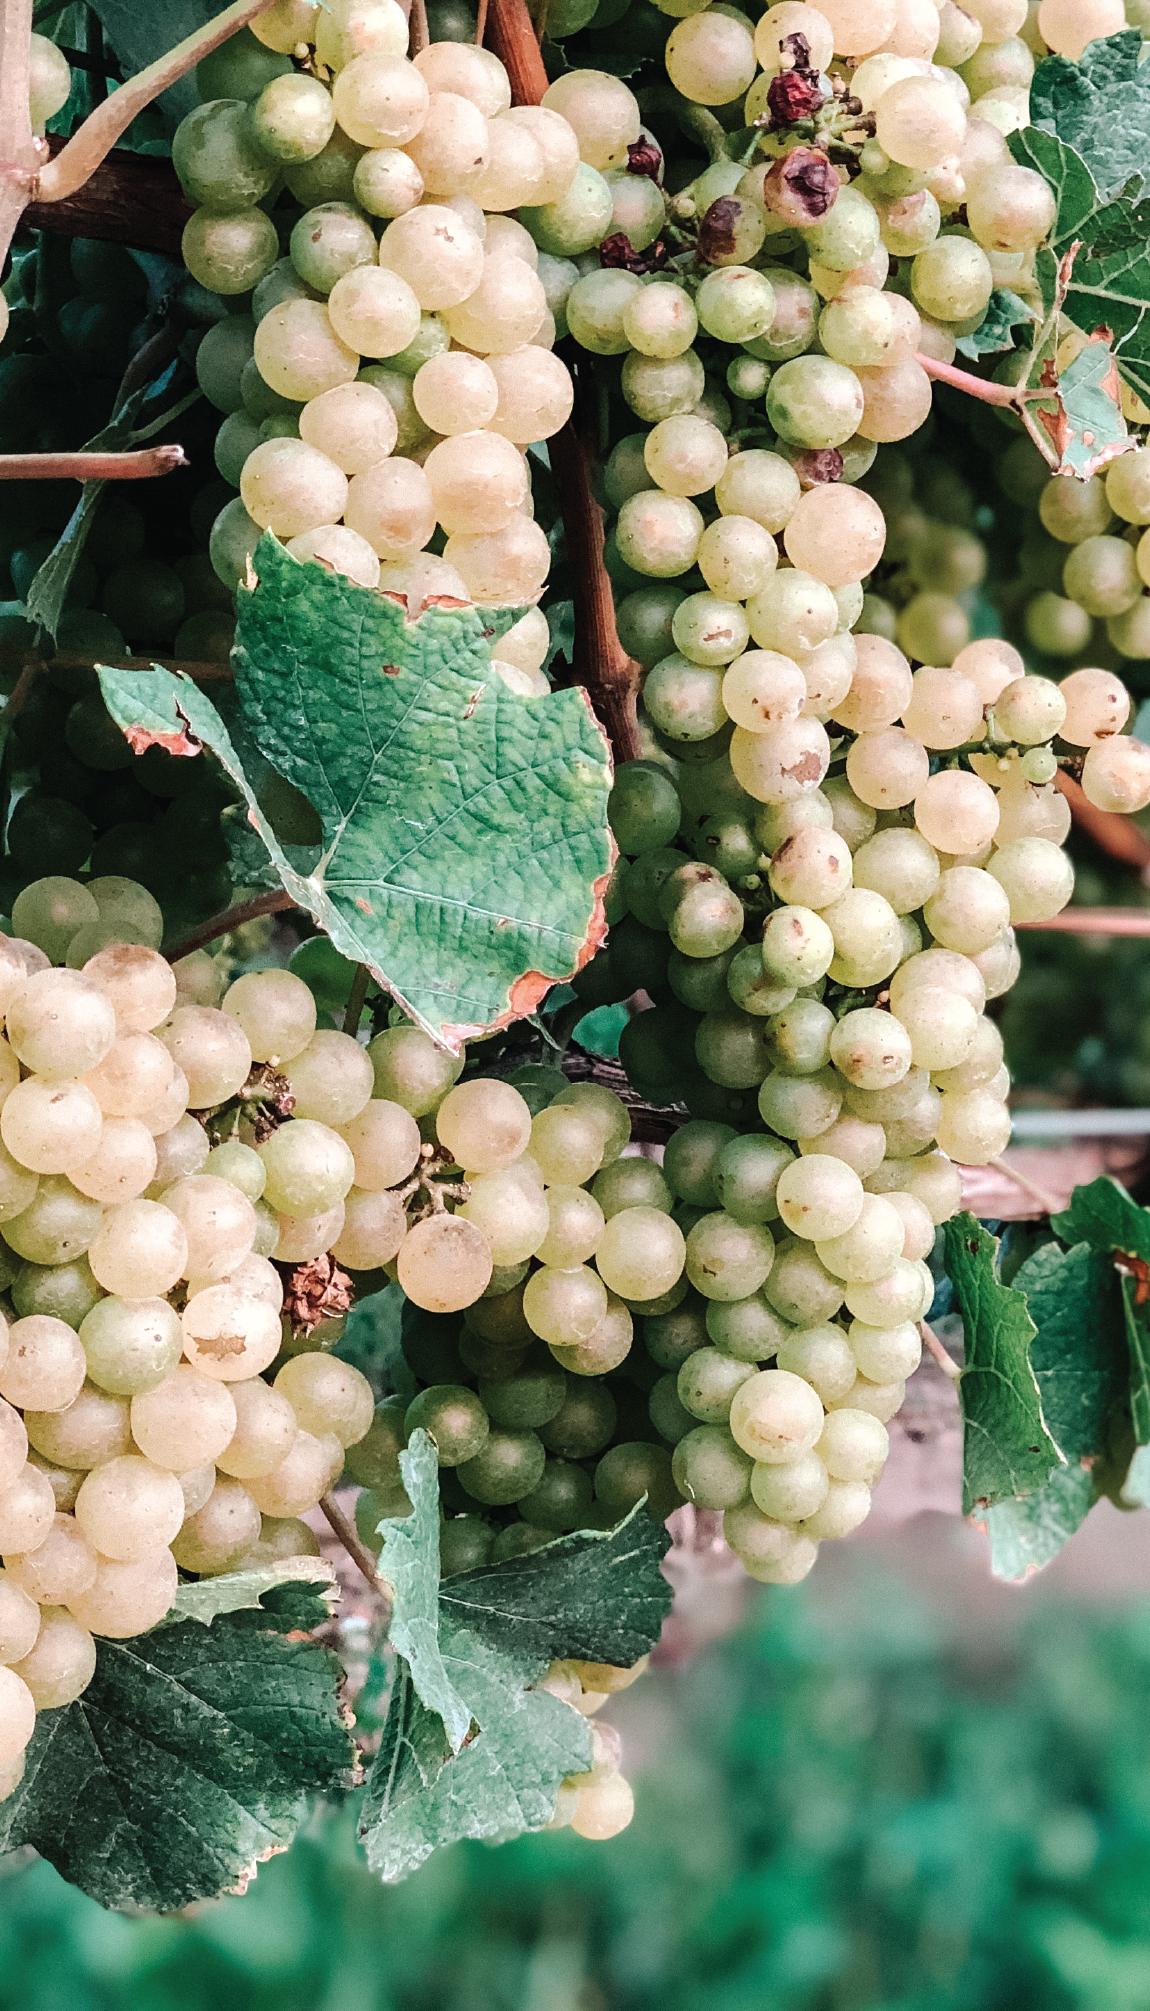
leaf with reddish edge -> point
(465, 851)
(1086, 430)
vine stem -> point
(1096, 922)
(984, 388)
(78, 659)
(942, 1355)
(354, 1013)
(359, 1553)
(230, 918)
(138, 466)
(601, 664)
(1114, 834)
(1049, 1205)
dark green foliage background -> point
(848, 1811)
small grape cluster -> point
(398, 361)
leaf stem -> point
(1096, 922)
(230, 918)
(942, 1354)
(138, 466)
(104, 126)
(1116, 835)
(1049, 1205)
(984, 388)
(354, 1013)
(23, 153)
(359, 1553)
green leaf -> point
(188, 1758)
(1104, 1216)
(1107, 283)
(233, 1591)
(465, 839)
(410, 1563)
(594, 1596)
(504, 1782)
(1100, 106)
(1136, 1486)
(1088, 429)
(1007, 1449)
(1138, 1341)
(996, 331)
(1079, 1350)
(1027, 1534)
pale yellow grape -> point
(567, 1143)
(828, 671)
(818, 1197)
(944, 710)
(327, 1396)
(452, 146)
(888, 768)
(902, 1293)
(860, 1144)
(968, 910)
(941, 1025)
(384, 1139)
(185, 1421)
(641, 1253)
(44, 1369)
(853, 1446)
(534, 391)
(885, 1354)
(974, 1128)
(298, 352)
(1068, 26)
(780, 764)
(956, 812)
(1115, 776)
(868, 939)
(218, 1222)
(374, 311)
(95, 1426)
(1030, 710)
(19, 1612)
(340, 550)
(13, 972)
(455, 393)
(788, 1493)
(27, 1511)
(386, 182)
(557, 142)
(658, 534)
(881, 686)
(348, 28)
(737, 557)
(776, 1417)
(835, 534)
(288, 487)
(473, 72)
(603, 113)
(129, 1507)
(163, 1116)
(352, 425)
(229, 1336)
(139, 1251)
(301, 1237)
(485, 1124)
(794, 612)
(575, 1225)
(660, 320)
(296, 1484)
(685, 455)
(444, 1264)
(846, 1506)
(1127, 486)
(1097, 706)
(896, 401)
(503, 311)
(762, 688)
(436, 253)
(527, 643)
(17, 1716)
(793, 17)
(211, 1049)
(127, 1598)
(122, 1165)
(900, 865)
(870, 1048)
(380, 100)
(60, 1023)
(266, 1426)
(820, 1355)
(285, 24)
(515, 170)
(391, 506)
(511, 1213)
(919, 122)
(182, 1149)
(478, 481)
(944, 968)
(374, 1226)
(502, 567)
(197, 1483)
(1037, 878)
(49, 1126)
(220, 1533)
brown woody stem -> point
(78, 659)
(359, 1553)
(511, 34)
(131, 199)
(231, 918)
(138, 466)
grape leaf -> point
(409, 1561)
(466, 849)
(188, 1758)
(595, 1596)
(1100, 106)
(1078, 1353)
(995, 331)
(1027, 1534)
(1138, 1341)
(1087, 428)
(232, 1591)
(1103, 1215)
(1007, 1449)
(1106, 284)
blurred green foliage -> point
(844, 1811)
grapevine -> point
(645, 499)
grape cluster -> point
(398, 360)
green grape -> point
(662, 387)
(631, 1183)
(659, 534)
(814, 402)
(60, 1291)
(130, 1345)
(411, 1070)
(465, 1543)
(595, 308)
(736, 304)
(754, 989)
(643, 808)
(374, 1460)
(746, 1176)
(532, 1396)
(329, 241)
(701, 982)
(691, 1159)
(218, 159)
(630, 1471)
(575, 221)
(728, 1259)
(510, 1466)
(673, 1335)
(708, 1381)
(220, 359)
(561, 1500)
(731, 1048)
(455, 1420)
(666, 1413)
(330, 175)
(710, 1469)
(239, 68)
(584, 1423)
(749, 1329)
(747, 378)
(795, 326)
(293, 118)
